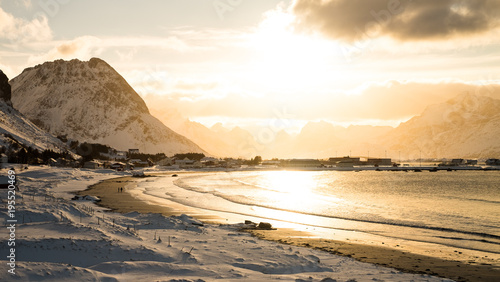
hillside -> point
(91, 102)
(16, 131)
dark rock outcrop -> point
(5, 90)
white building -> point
(187, 163)
(121, 155)
(166, 162)
(92, 164)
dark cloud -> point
(352, 20)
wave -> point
(473, 199)
(468, 239)
(388, 235)
(248, 202)
(485, 201)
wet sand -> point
(389, 257)
(124, 202)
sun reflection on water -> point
(291, 182)
(290, 190)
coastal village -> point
(133, 158)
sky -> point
(249, 62)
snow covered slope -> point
(16, 130)
(465, 126)
(91, 102)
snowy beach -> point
(58, 239)
(160, 194)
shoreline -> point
(124, 202)
(387, 257)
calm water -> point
(459, 209)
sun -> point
(285, 59)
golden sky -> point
(250, 61)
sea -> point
(457, 209)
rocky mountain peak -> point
(94, 62)
(95, 81)
(89, 101)
(5, 89)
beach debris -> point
(174, 175)
(86, 198)
(139, 174)
(265, 226)
(250, 224)
(159, 240)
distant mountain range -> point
(91, 102)
(218, 140)
(467, 126)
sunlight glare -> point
(287, 59)
(292, 182)
(294, 189)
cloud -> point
(387, 103)
(353, 20)
(82, 48)
(159, 82)
(25, 3)
(19, 31)
(398, 100)
(69, 48)
(85, 47)
(7, 70)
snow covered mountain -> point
(91, 102)
(16, 131)
(465, 126)
(321, 139)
